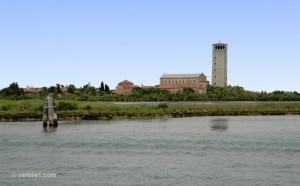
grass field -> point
(69, 110)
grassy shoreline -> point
(31, 110)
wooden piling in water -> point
(49, 114)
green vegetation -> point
(89, 102)
(13, 92)
(32, 109)
(66, 106)
(103, 93)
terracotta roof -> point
(166, 87)
(64, 89)
(181, 75)
(125, 82)
(33, 90)
(145, 87)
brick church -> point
(198, 82)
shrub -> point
(87, 107)
(67, 106)
(162, 106)
(5, 107)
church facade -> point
(175, 82)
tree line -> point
(103, 93)
(71, 89)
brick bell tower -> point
(219, 65)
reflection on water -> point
(49, 129)
(219, 124)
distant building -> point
(33, 90)
(124, 87)
(219, 65)
(174, 82)
(64, 90)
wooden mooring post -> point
(49, 115)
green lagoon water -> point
(254, 150)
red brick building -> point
(124, 87)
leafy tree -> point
(71, 89)
(52, 89)
(58, 90)
(13, 91)
(90, 90)
(84, 87)
(45, 89)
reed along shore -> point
(32, 110)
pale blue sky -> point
(45, 42)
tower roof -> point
(220, 44)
